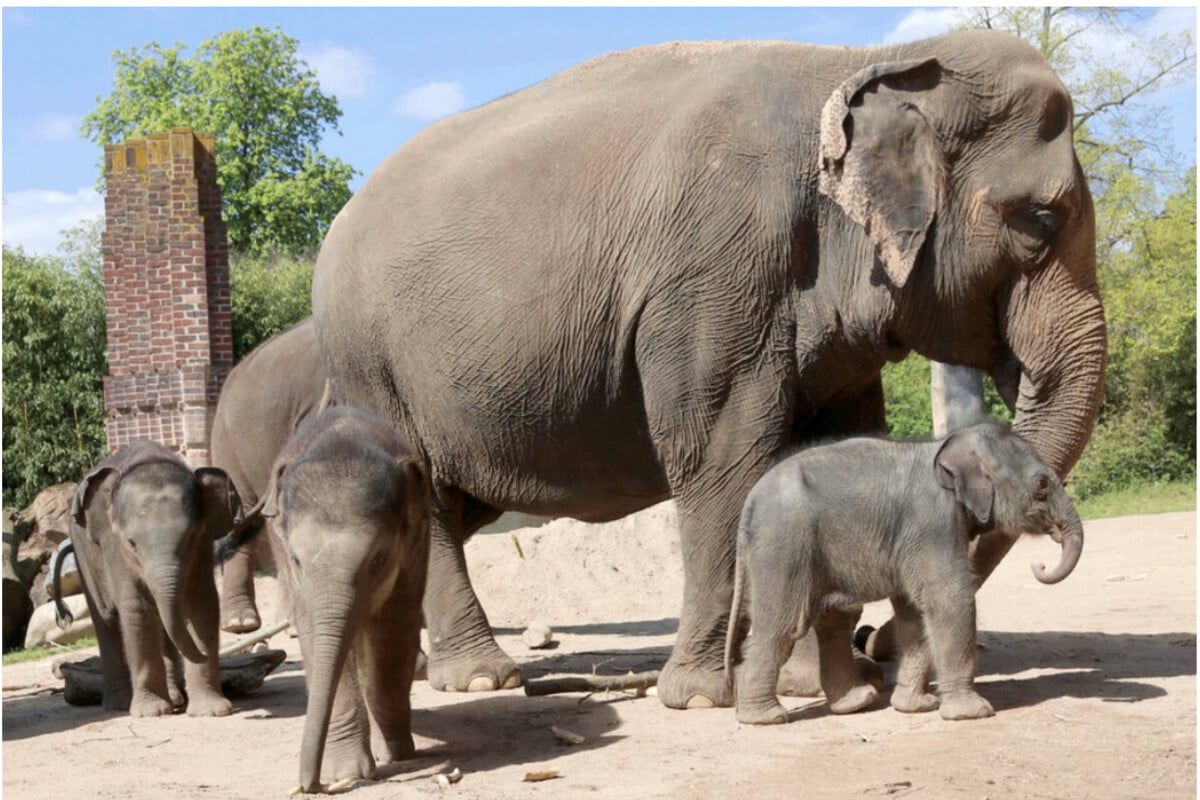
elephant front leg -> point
(387, 663)
(348, 744)
(118, 684)
(464, 656)
(204, 678)
(143, 642)
(950, 628)
(907, 634)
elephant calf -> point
(833, 527)
(142, 526)
(349, 502)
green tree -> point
(1145, 249)
(54, 365)
(263, 105)
(269, 293)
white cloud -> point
(1171, 20)
(431, 101)
(921, 23)
(57, 127)
(35, 218)
(342, 72)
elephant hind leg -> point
(464, 656)
(239, 614)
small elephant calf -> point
(835, 526)
(143, 525)
(349, 501)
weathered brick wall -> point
(166, 291)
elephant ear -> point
(961, 469)
(269, 506)
(416, 497)
(221, 505)
(100, 479)
(880, 159)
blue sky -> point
(393, 70)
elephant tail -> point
(242, 534)
(62, 614)
(735, 632)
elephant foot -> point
(207, 704)
(800, 676)
(965, 705)
(149, 705)
(238, 615)
(880, 644)
(856, 699)
(913, 701)
(400, 748)
(692, 687)
(487, 673)
(771, 712)
(346, 762)
(868, 670)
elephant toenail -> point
(700, 701)
(481, 683)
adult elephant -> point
(647, 276)
(278, 385)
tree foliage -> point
(267, 113)
(1145, 248)
(269, 293)
(54, 365)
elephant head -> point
(159, 514)
(1002, 485)
(352, 518)
(957, 161)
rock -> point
(239, 675)
(70, 580)
(17, 607)
(50, 512)
(44, 630)
(41, 528)
(537, 636)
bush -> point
(54, 366)
(1126, 449)
(268, 294)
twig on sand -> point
(592, 683)
(250, 641)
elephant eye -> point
(132, 544)
(1037, 221)
(1041, 487)
(378, 560)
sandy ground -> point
(1093, 681)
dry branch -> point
(592, 683)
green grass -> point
(1146, 498)
(18, 656)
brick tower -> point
(166, 291)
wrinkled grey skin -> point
(836, 526)
(349, 502)
(143, 525)
(649, 275)
(278, 385)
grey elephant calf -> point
(349, 502)
(835, 526)
(143, 524)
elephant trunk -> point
(331, 631)
(1069, 533)
(164, 583)
(1055, 327)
